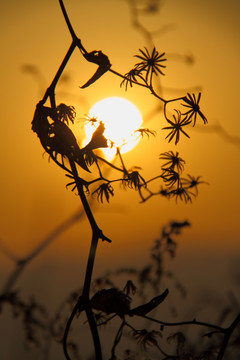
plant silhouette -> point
(52, 124)
(52, 127)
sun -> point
(121, 119)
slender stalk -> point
(117, 338)
(108, 163)
(227, 336)
(193, 322)
(85, 296)
(84, 300)
(124, 77)
(89, 269)
(86, 206)
(121, 159)
(67, 328)
(50, 92)
(69, 25)
(94, 331)
(83, 303)
(75, 39)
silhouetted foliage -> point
(101, 299)
(51, 125)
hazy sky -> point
(34, 200)
(33, 195)
(36, 35)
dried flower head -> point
(145, 131)
(194, 109)
(173, 161)
(192, 182)
(130, 288)
(133, 180)
(91, 119)
(170, 177)
(130, 78)
(152, 64)
(164, 192)
(176, 127)
(89, 157)
(183, 194)
(104, 191)
(66, 113)
(146, 338)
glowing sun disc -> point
(121, 119)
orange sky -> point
(34, 200)
(33, 195)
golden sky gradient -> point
(34, 200)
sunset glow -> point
(121, 119)
(80, 249)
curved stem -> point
(227, 336)
(85, 296)
(124, 77)
(117, 338)
(75, 39)
(84, 300)
(108, 163)
(154, 178)
(67, 328)
(193, 322)
(89, 269)
(94, 331)
(83, 303)
(121, 159)
(82, 195)
(69, 25)
(51, 89)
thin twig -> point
(22, 263)
(228, 333)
